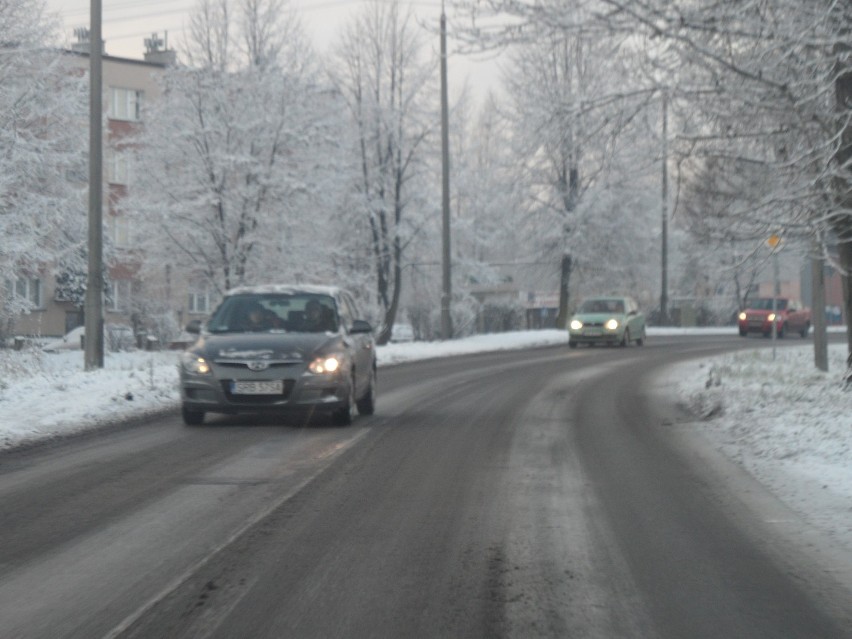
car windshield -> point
(765, 304)
(602, 306)
(274, 313)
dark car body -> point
(789, 317)
(283, 364)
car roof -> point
(287, 289)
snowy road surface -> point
(520, 494)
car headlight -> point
(576, 325)
(771, 317)
(195, 364)
(742, 316)
(325, 365)
(611, 324)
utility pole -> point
(818, 309)
(94, 342)
(446, 295)
(664, 289)
(773, 242)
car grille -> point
(245, 364)
(594, 324)
(257, 399)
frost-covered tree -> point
(766, 83)
(768, 89)
(486, 209)
(587, 156)
(233, 169)
(42, 104)
(382, 71)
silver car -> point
(280, 348)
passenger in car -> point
(318, 318)
(255, 318)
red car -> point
(789, 317)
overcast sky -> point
(127, 23)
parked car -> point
(280, 348)
(607, 320)
(402, 333)
(789, 317)
(117, 337)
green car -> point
(607, 320)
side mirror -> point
(194, 327)
(361, 326)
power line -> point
(313, 6)
(134, 4)
(145, 16)
(152, 15)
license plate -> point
(594, 332)
(275, 387)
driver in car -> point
(315, 318)
(255, 319)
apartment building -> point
(128, 84)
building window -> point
(125, 104)
(117, 168)
(26, 289)
(119, 229)
(199, 301)
(119, 295)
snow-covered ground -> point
(785, 422)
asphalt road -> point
(540, 493)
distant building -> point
(127, 85)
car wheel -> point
(572, 344)
(192, 417)
(625, 339)
(743, 332)
(367, 403)
(642, 337)
(805, 330)
(781, 330)
(346, 413)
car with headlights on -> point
(787, 313)
(279, 349)
(607, 320)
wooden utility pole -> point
(664, 287)
(94, 342)
(818, 310)
(446, 294)
(564, 292)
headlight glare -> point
(742, 316)
(611, 324)
(576, 325)
(195, 364)
(325, 365)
